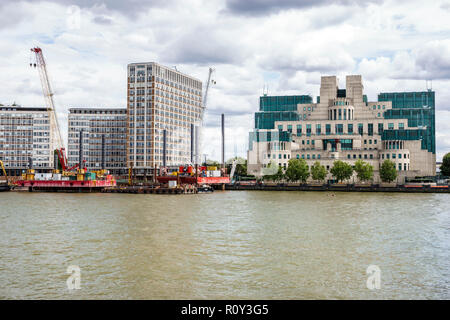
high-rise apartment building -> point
(161, 99)
(24, 134)
(104, 138)
(344, 125)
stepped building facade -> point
(344, 125)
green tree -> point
(364, 170)
(318, 171)
(445, 167)
(297, 170)
(341, 170)
(279, 175)
(388, 173)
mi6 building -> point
(344, 125)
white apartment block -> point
(25, 133)
(104, 138)
(160, 98)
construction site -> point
(165, 159)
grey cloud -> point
(131, 8)
(434, 60)
(200, 47)
(100, 19)
(265, 7)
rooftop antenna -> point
(265, 89)
(431, 84)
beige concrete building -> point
(343, 125)
(160, 98)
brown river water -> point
(225, 245)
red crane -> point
(56, 141)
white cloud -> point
(286, 45)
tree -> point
(445, 167)
(318, 172)
(297, 170)
(364, 170)
(388, 173)
(341, 170)
(279, 175)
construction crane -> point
(198, 128)
(4, 171)
(55, 139)
(205, 97)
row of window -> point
(339, 128)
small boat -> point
(4, 187)
(205, 188)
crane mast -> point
(205, 97)
(56, 138)
(198, 129)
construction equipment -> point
(198, 137)
(233, 168)
(4, 171)
(56, 141)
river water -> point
(225, 245)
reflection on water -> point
(225, 245)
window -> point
(339, 128)
(365, 141)
(308, 130)
(365, 156)
(280, 127)
(380, 128)
(401, 126)
(371, 156)
(318, 156)
(399, 167)
(399, 155)
(298, 156)
(328, 128)
(348, 156)
(393, 156)
(370, 129)
(375, 141)
(313, 156)
(391, 126)
(354, 156)
(350, 128)
(360, 128)
(370, 141)
(289, 128)
(299, 130)
(279, 156)
(307, 156)
(318, 129)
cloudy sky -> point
(285, 45)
